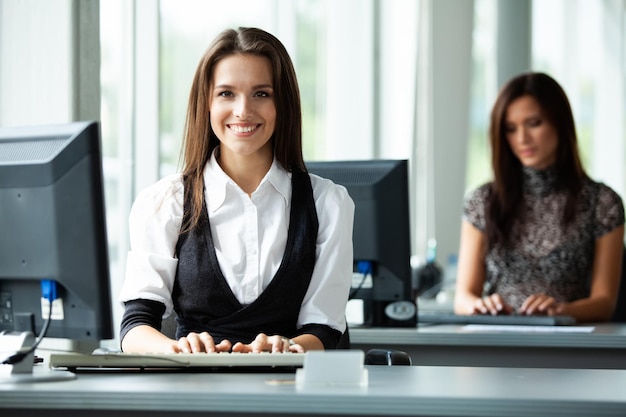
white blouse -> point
(250, 235)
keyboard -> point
(448, 317)
(224, 361)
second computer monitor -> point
(381, 236)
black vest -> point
(203, 301)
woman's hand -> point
(199, 343)
(492, 304)
(541, 304)
(265, 343)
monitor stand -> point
(25, 371)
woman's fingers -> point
(492, 304)
(197, 342)
(538, 304)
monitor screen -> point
(52, 222)
(381, 236)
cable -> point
(364, 268)
(49, 292)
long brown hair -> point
(506, 189)
(199, 140)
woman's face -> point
(241, 106)
(531, 136)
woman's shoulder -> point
(478, 195)
(167, 194)
(609, 204)
(474, 205)
(327, 190)
(604, 191)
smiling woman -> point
(249, 250)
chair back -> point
(344, 341)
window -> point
(581, 44)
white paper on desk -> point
(527, 329)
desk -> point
(392, 391)
(450, 345)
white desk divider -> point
(332, 368)
(23, 370)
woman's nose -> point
(521, 135)
(242, 108)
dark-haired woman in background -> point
(252, 252)
(542, 237)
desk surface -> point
(453, 345)
(607, 336)
(392, 391)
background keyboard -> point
(448, 317)
(189, 361)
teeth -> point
(243, 129)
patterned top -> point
(543, 256)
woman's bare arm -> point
(471, 269)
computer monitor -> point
(381, 236)
(53, 230)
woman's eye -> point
(534, 122)
(225, 94)
(261, 94)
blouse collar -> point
(277, 177)
(539, 182)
